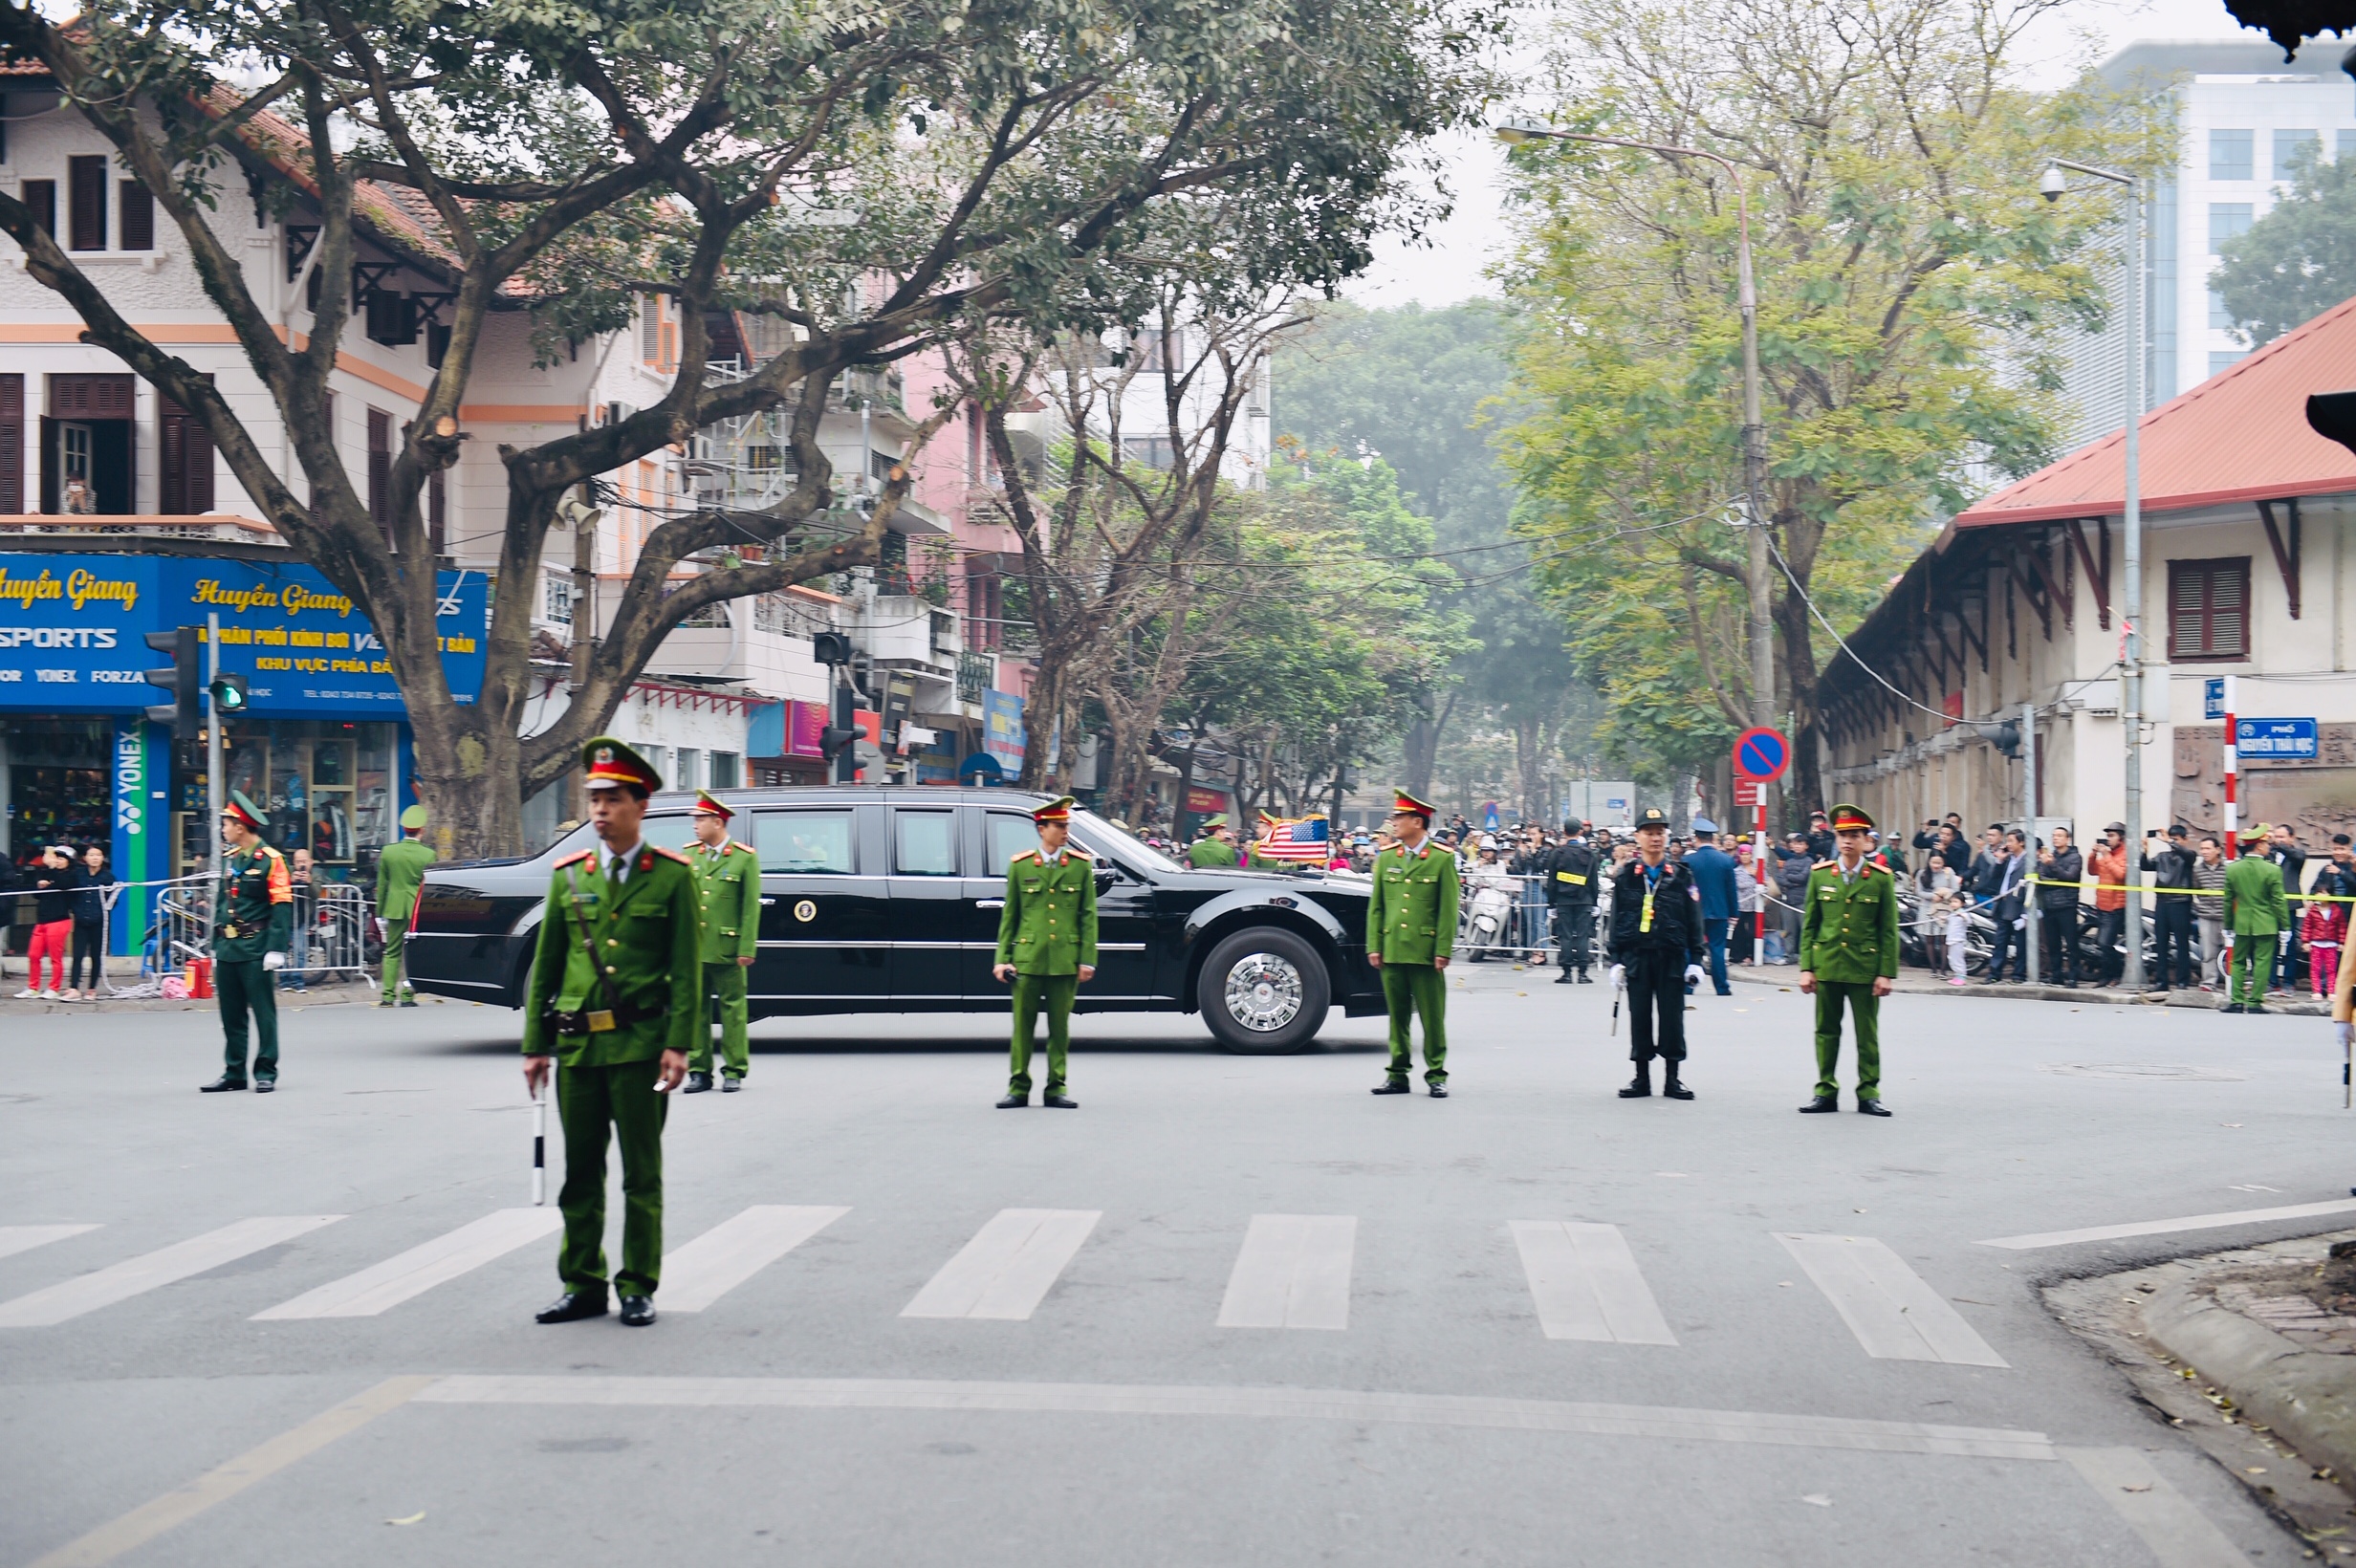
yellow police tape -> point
(2198, 892)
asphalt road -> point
(1531, 1323)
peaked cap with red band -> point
(611, 765)
(1058, 810)
(1848, 818)
(239, 809)
(707, 806)
(1413, 807)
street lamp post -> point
(1514, 133)
(2051, 186)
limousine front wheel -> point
(1264, 991)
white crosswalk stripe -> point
(1009, 1266)
(1294, 1272)
(419, 1270)
(737, 1249)
(133, 1276)
(1894, 1313)
(1587, 1284)
(24, 1238)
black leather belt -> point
(599, 1020)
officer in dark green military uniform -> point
(1411, 932)
(616, 995)
(727, 896)
(252, 927)
(1848, 953)
(401, 871)
(1216, 849)
(1047, 947)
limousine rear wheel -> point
(1264, 991)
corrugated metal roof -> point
(2241, 435)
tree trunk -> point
(1527, 756)
(1803, 785)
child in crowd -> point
(2324, 928)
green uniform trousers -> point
(2254, 959)
(724, 985)
(396, 935)
(1865, 1013)
(1417, 990)
(592, 1104)
(1055, 993)
(241, 985)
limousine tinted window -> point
(924, 843)
(1006, 837)
(806, 843)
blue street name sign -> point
(2276, 739)
(2212, 697)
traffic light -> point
(832, 740)
(831, 649)
(182, 680)
(228, 694)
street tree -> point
(2300, 259)
(998, 160)
(1910, 284)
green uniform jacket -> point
(401, 871)
(1049, 925)
(2254, 903)
(727, 892)
(1411, 918)
(647, 938)
(1849, 931)
(1211, 853)
(257, 906)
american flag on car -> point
(1300, 839)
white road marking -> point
(1527, 1415)
(24, 1238)
(735, 1250)
(1294, 1272)
(87, 1293)
(2161, 1227)
(2179, 1535)
(177, 1507)
(1895, 1315)
(1007, 1267)
(419, 1270)
(1587, 1285)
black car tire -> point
(1264, 991)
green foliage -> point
(2300, 259)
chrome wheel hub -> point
(1263, 993)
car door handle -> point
(766, 903)
(988, 903)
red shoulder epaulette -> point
(1074, 849)
(1026, 855)
(569, 859)
(738, 846)
(673, 854)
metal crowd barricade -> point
(337, 923)
(1494, 919)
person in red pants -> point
(53, 922)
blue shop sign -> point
(71, 634)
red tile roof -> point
(2241, 435)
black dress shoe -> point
(1439, 1091)
(1640, 1087)
(637, 1310)
(1391, 1086)
(1675, 1089)
(1820, 1104)
(1059, 1101)
(263, 1086)
(1871, 1107)
(221, 1085)
(2233, 1007)
(732, 1083)
(1014, 1102)
(697, 1083)
(1566, 978)
(2254, 1007)
(572, 1307)
(408, 1001)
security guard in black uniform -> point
(1571, 889)
(1655, 950)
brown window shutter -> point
(86, 203)
(40, 199)
(381, 470)
(138, 216)
(90, 396)
(187, 461)
(12, 443)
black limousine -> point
(887, 899)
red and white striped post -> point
(2232, 773)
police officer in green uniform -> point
(1411, 932)
(401, 871)
(2256, 914)
(252, 927)
(1848, 953)
(616, 996)
(727, 896)
(1216, 849)
(1047, 947)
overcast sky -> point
(1450, 264)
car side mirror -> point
(1105, 877)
